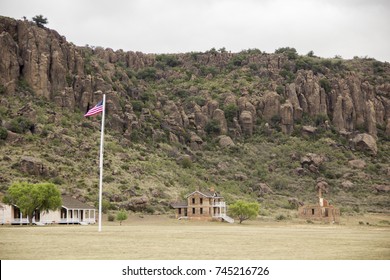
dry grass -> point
(159, 237)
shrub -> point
(378, 67)
(3, 133)
(275, 120)
(324, 83)
(288, 75)
(20, 125)
(111, 217)
(167, 60)
(23, 85)
(137, 105)
(148, 74)
(231, 111)
(2, 89)
(186, 162)
(320, 119)
(205, 70)
(212, 127)
(281, 217)
(280, 90)
(291, 53)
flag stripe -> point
(95, 110)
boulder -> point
(28, 112)
(322, 185)
(382, 188)
(312, 159)
(357, 163)
(263, 188)
(195, 141)
(226, 141)
(364, 142)
(136, 203)
(294, 202)
(287, 118)
(269, 105)
(313, 168)
(347, 184)
(299, 171)
(33, 166)
(219, 117)
(239, 176)
(246, 121)
(308, 130)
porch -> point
(77, 216)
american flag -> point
(95, 110)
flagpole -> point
(101, 163)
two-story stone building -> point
(202, 205)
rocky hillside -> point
(255, 125)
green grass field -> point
(159, 237)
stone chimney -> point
(212, 189)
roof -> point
(206, 194)
(179, 204)
(72, 203)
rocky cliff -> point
(347, 98)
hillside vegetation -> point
(256, 126)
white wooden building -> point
(72, 211)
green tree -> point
(121, 216)
(244, 210)
(310, 54)
(31, 197)
(40, 20)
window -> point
(193, 201)
(193, 210)
(179, 211)
(201, 211)
(201, 200)
(312, 211)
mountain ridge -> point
(185, 113)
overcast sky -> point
(334, 27)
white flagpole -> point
(101, 163)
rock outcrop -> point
(34, 166)
(41, 61)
